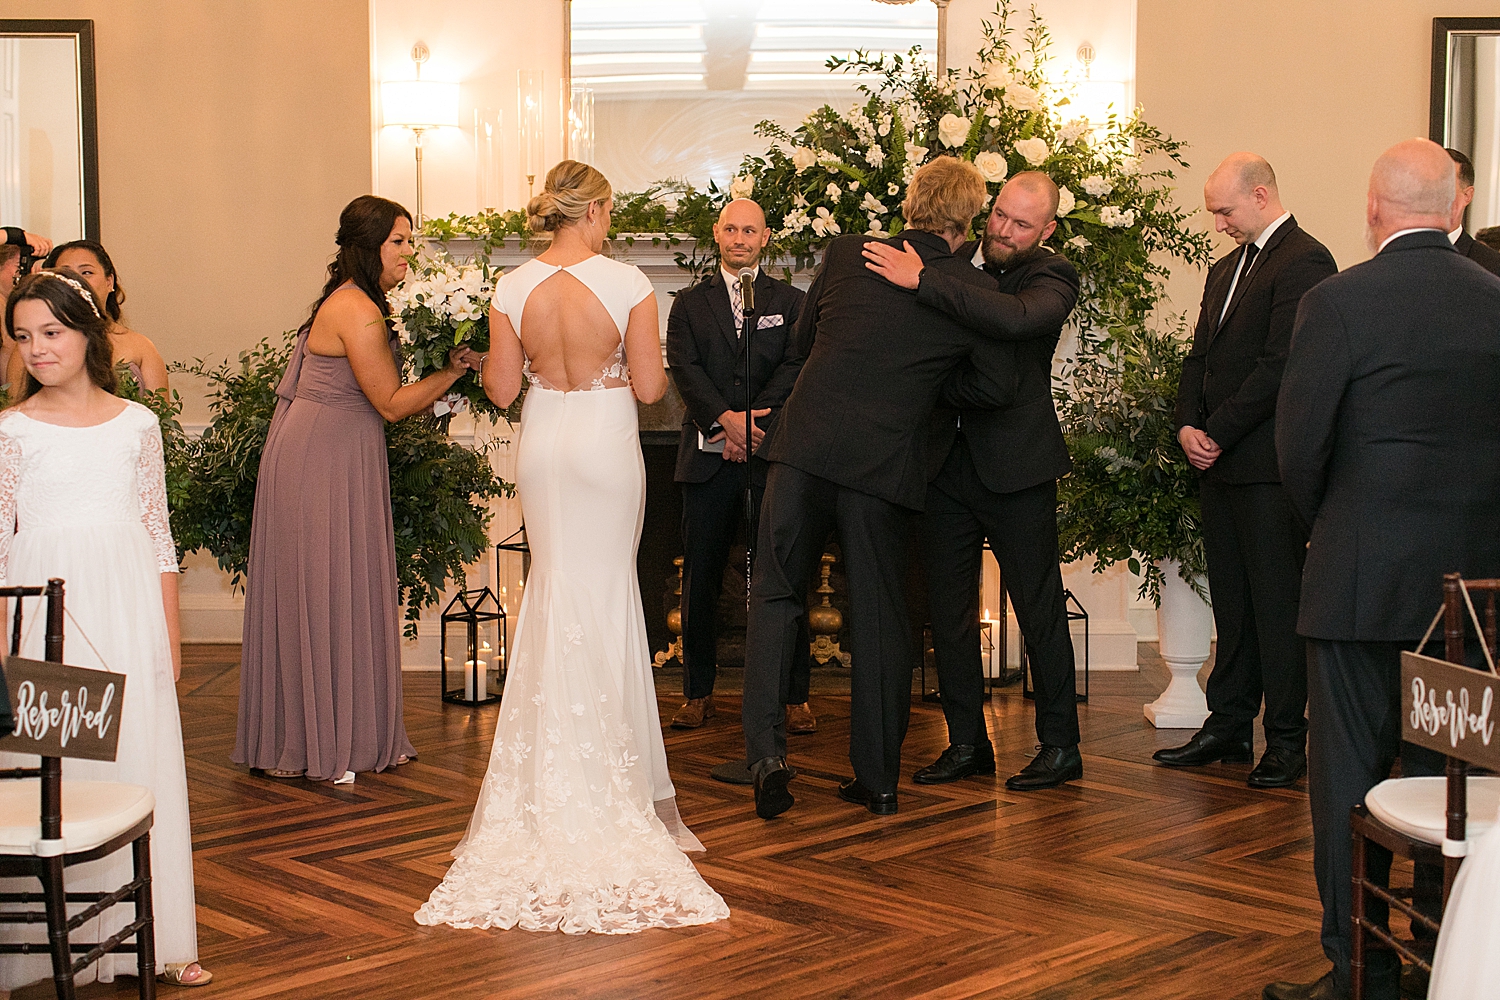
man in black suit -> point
(849, 452)
(994, 457)
(706, 356)
(1226, 420)
(1389, 441)
(1485, 256)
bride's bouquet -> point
(441, 304)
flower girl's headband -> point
(80, 289)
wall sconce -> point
(530, 86)
(419, 105)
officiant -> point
(706, 355)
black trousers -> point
(712, 512)
(1255, 547)
(1354, 736)
(798, 513)
(1021, 527)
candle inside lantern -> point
(990, 645)
(469, 677)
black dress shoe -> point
(1048, 769)
(1278, 768)
(1324, 989)
(1206, 748)
(771, 777)
(879, 803)
(958, 761)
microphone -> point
(747, 289)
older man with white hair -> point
(1389, 443)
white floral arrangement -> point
(443, 303)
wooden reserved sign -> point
(63, 711)
(1450, 709)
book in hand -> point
(714, 447)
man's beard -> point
(998, 255)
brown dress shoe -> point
(695, 713)
(800, 719)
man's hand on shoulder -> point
(902, 268)
(1201, 450)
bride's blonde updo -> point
(571, 187)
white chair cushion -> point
(1418, 807)
(92, 812)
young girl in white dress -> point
(83, 497)
(576, 828)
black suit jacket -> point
(875, 361)
(1389, 437)
(1230, 380)
(1486, 257)
(707, 361)
(1003, 392)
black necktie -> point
(1251, 250)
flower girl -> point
(83, 497)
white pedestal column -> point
(1185, 626)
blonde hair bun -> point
(571, 187)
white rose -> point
(825, 224)
(1097, 186)
(875, 157)
(885, 125)
(802, 158)
(996, 76)
(872, 204)
(1129, 166)
(1065, 202)
(742, 186)
(914, 153)
(953, 130)
(992, 165)
(834, 191)
(1022, 97)
(1034, 150)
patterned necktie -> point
(737, 305)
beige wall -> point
(230, 135)
(1319, 89)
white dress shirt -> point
(1260, 244)
(1406, 232)
(1453, 236)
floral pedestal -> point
(1185, 626)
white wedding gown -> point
(89, 505)
(1467, 962)
(576, 828)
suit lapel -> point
(1256, 267)
(718, 301)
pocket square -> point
(766, 322)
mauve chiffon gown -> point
(320, 674)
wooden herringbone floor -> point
(1138, 881)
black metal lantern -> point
(480, 674)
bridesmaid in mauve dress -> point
(320, 674)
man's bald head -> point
(741, 234)
(1242, 196)
(1024, 214)
(1412, 186)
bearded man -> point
(995, 452)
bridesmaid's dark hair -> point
(74, 305)
(364, 225)
(116, 298)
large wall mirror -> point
(1465, 111)
(49, 152)
(679, 85)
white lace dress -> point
(576, 828)
(89, 505)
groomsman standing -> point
(1485, 257)
(1389, 440)
(1226, 419)
(995, 453)
(706, 356)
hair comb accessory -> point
(87, 297)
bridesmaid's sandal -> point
(186, 973)
(276, 772)
(404, 759)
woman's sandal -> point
(176, 975)
(276, 772)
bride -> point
(576, 828)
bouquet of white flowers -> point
(442, 304)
